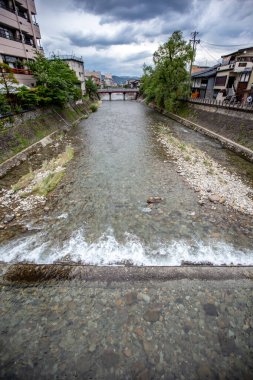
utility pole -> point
(194, 42)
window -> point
(242, 64)
(6, 33)
(221, 81)
(245, 76)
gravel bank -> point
(213, 182)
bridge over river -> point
(119, 90)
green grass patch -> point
(94, 107)
(48, 184)
(51, 180)
(23, 182)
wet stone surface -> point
(184, 329)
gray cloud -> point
(132, 10)
(123, 37)
(143, 25)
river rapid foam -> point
(108, 251)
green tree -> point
(28, 98)
(91, 89)
(57, 83)
(7, 86)
(168, 80)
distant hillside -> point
(121, 80)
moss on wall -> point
(21, 131)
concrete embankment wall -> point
(232, 124)
(232, 128)
(228, 143)
(24, 133)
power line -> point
(206, 50)
(209, 43)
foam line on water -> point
(108, 251)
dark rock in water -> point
(131, 298)
(9, 218)
(110, 358)
(152, 314)
(227, 345)
(210, 309)
(204, 372)
(154, 200)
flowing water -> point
(102, 216)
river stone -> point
(9, 218)
(214, 198)
(227, 345)
(154, 199)
(110, 358)
(127, 352)
(204, 372)
(131, 298)
(210, 309)
(152, 314)
(143, 297)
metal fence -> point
(235, 105)
(11, 114)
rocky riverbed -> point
(208, 178)
(143, 329)
(125, 199)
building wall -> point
(78, 68)
(209, 88)
(18, 47)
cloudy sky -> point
(118, 36)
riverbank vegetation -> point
(44, 180)
(57, 85)
(91, 89)
(168, 79)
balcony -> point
(12, 38)
(7, 8)
(23, 15)
(229, 66)
(243, 66)
(9, 36)
(21, 71)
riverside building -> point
(77, 65)
(19, 37)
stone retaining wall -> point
(28, 132)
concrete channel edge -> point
(40, 273)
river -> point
(102, 216)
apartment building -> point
(19, 37)
(77, 65)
